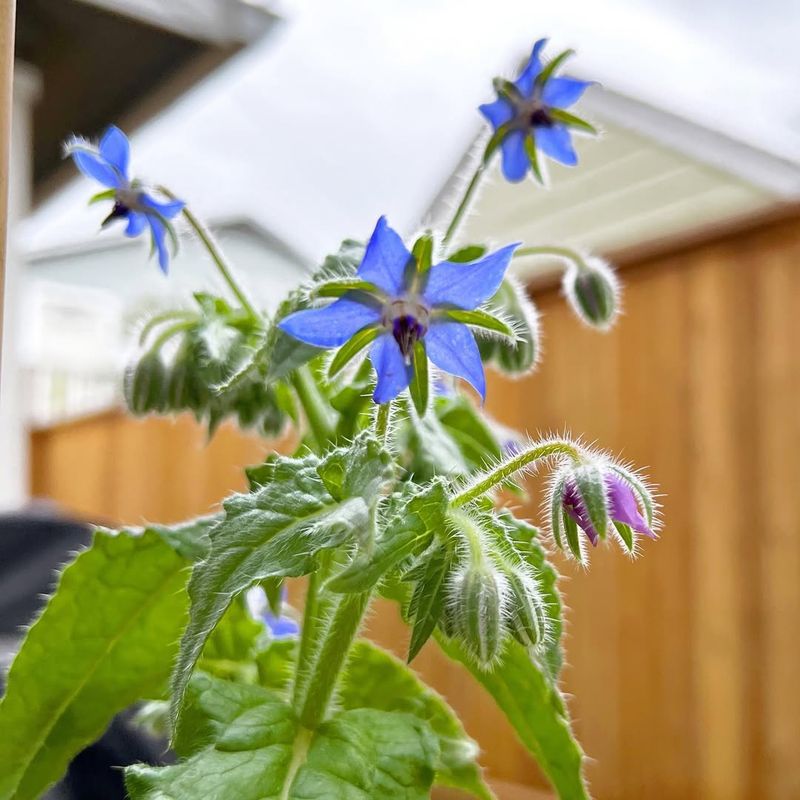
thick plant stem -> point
(520, 461)
(314, 407)
(550, 250)
(342, 627)
(465, 201)
(309, 635)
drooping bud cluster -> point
(588, 501)
(194, 364)
(592, 289)
(493, 592)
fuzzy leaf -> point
(415, 518)
(428, 596)
(279, 530)
(243, 742)
(107, 638)
(535, 709)
(376, 679)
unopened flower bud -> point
(592, 290)
(477, 605)
(145, 386)
(594, 499)
(526, 610)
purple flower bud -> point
(620, 501)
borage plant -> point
(390, 491)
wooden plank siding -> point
(683, 664)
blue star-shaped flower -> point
(405, 306)
(108, 164)
(526, 108)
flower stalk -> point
(524, 460)
(466, 198)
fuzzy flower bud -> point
(477, 602)
(596, 498)
(592, 289)
(527, 614)
(145, 385)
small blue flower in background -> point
(108, 164)
(405, 306)
(532, 106)
(280, 627)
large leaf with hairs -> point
(376, 679)
(243, 741)
(535, 709)
(106, 638)
(279, 530)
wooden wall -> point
(684, 665)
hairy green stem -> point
(164, 316)
(550, 250)
(314, 406)
(382, 416)
(504, 471)
(166, 335)
(216, 256)
(465, 200)
(341, 629)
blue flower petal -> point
(330, 326)
(556, 142)
(281, 627)
(527, 77)
(563, 92)
(385, 260)
(515, 160)
(498, 112)
(95, 166)
(393, 373)
(168, 208)
(137, 222)
(452, 347)
(116, 150)
(466, 286)
(159, 232)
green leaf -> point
(533, 158)
(469, 430)
(189, 539)
(106, 194)
(470, 252)
(481, 319)
(279, 530)
(107, 638)
(428, 596)
(551, 67)
(414, 519)
(419, 380)
(351, 348)
(535, 709)
(423, 252)
(572, 121)
(243, 742)
(376, 679)
(337, 288)
(590, 481)
(427, 449)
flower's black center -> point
(539, 118)
(407, 331)
(119, 210)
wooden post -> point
(7, 9)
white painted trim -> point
(758, 167)
(216, 21)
